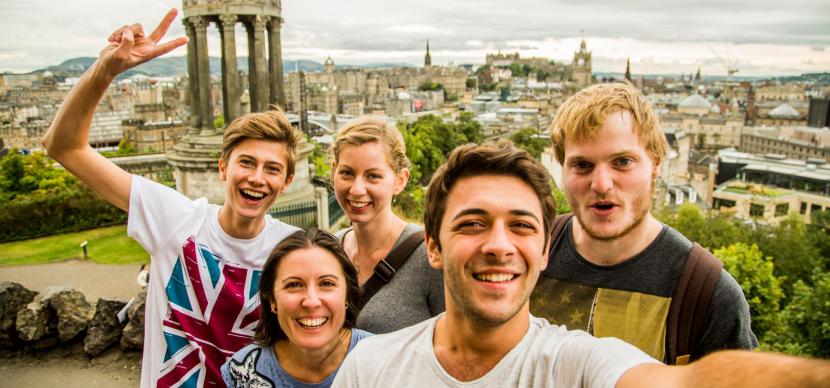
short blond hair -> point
(581, 116)
(367, 129)
(271, 125)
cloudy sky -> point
(760, 37)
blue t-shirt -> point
(257, 366)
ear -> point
(288, 181)
(401, 180)
(655, 172)
(545, 254)
(223, 167)
(433, 253)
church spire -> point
(628, 69)
(427, 57)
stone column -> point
(275, 56)
(258, 71)
(193, 77)
(200, 24)
(230, 80)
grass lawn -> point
(108, 245)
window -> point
(803, 208)
(781, 209)
(756, 210)
(723, 203)
(814, 208)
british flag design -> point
(212, 312)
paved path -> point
(92, 279)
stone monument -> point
(195, 159)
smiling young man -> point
(488, 216)
(614, 270)
(206, 259)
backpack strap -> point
(556, 235)
(689, 303)
(385, 269)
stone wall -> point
(61, 316)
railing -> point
(335, 211)
(301, 214)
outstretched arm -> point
(733, 368)
(67, 140)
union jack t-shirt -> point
(202, 303)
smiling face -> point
(364, 181)
(609, 180)
(254, 175)
(310, 297)
(492, 248)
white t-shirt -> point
(202, 303)
(547, 356)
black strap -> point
(690, 300)
(385, 269)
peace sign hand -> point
(129, 47)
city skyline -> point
(759, 37)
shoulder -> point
(340, 234)
(358, 335)
(278, 228)
(253, 350)
(246, 367)
(394, 342)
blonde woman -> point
(370, 168)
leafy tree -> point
(321, 162)
(528, 140)
(12, 172)
(219, 122)
(805, 323)
(561, 201)
(713, 230)
(125, 148)
(791, 248)
(761, 287)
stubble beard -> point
(640, 209)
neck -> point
(313, 365)
(237, 227)
(370, 237)
(468, 350)
(611, 252)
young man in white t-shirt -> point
(206, 259)
(488, 218)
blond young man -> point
(488, 217)
(201, 300)
(614, 270)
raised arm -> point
(733, 368)
(67, 140)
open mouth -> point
(603, 205)
(251, 195)
(312, 322)
(495, 277)
(358, 205)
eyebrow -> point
(624, 152)
(481, 212)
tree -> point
(528, 140)
(321, 162)
(219, 122)
(804, 327)
(561, 201)
(791, 248)
(762, 289)
(713, 230)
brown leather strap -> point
(690, 300)
(385, 269)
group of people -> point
(238, 298)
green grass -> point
(108, 245)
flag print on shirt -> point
(212, 312)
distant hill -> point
(173, 66)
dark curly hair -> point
(268, 330)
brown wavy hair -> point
(268, 330)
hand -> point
(129, 47)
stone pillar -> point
(259, 87)
(200, 24)
(230, 80)
(193, 77)
(275, 56)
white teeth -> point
(358, 205)
(495, 277)
(316, 322)
(253, 193)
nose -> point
(499, 244)
(602, 181)
(257, 176)
(311, 299)
(358, 187)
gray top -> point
(648, 277)
(416, 292)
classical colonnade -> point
(265, 77)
